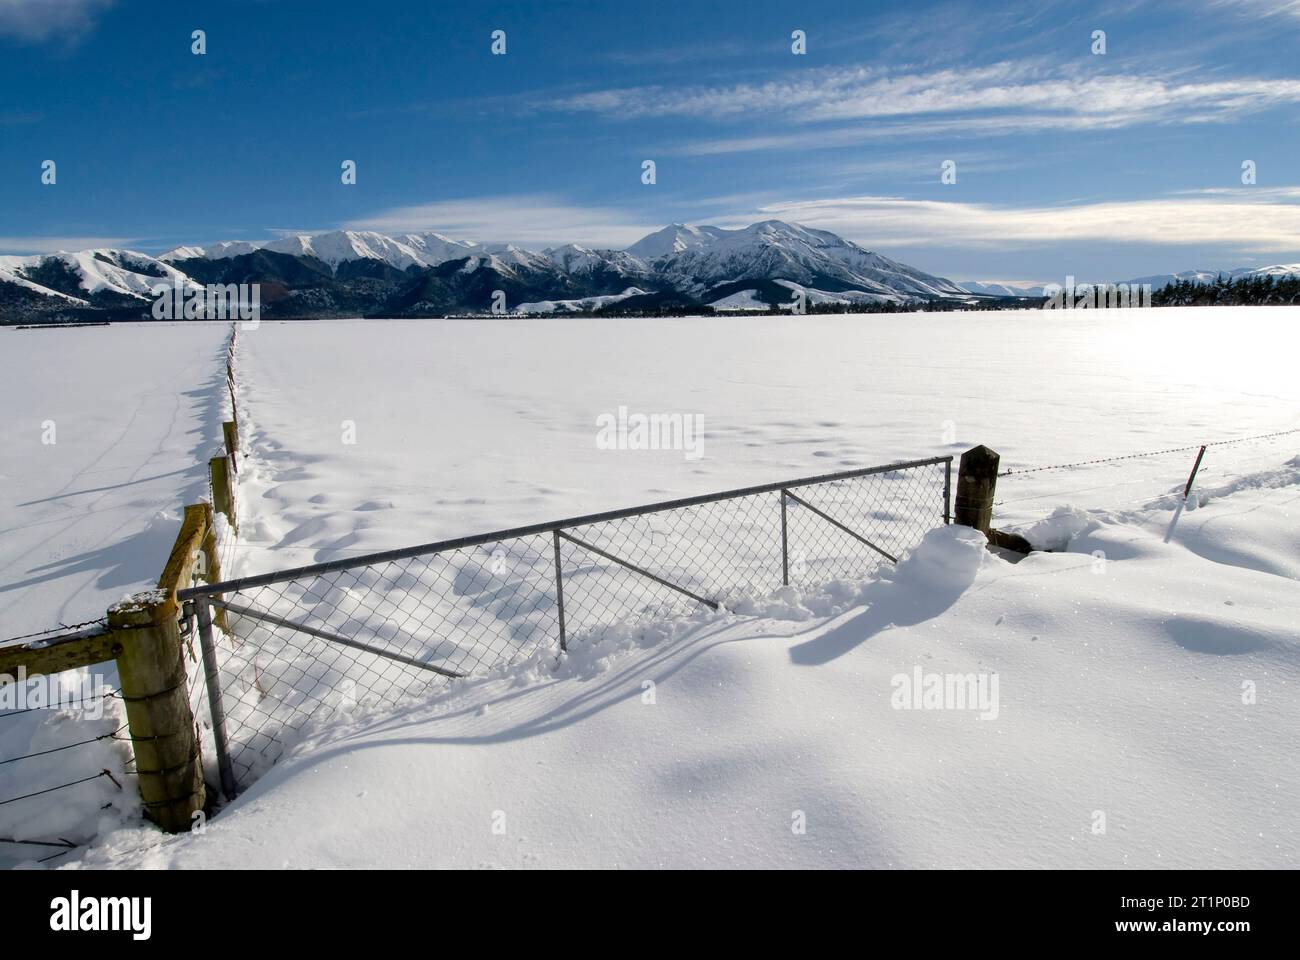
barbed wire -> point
(60, 842)
(65, 846)
(1152, 453)
(71, 783)
(100, 622)
(113, 735)
(63, 704)
(62, 627)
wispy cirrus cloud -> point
(533, 219)
(1000, 98)
(39, 20)
(1262, 9)
(1241, 221)
(27, 246)
(1238, 220)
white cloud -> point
(26, 246)
(999, 98)
(1263, 8)
(529, 220)
(37, 20)
(1236, 220)
(1240, 221)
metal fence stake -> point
(947, 492)
(1196, 466)
(559, 594)
(785, 546)
(216, 707)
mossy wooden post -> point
(211, 571)
(234, 410)
(223, 491)
(977, 480)
(231, 434)
(151, 667)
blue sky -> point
(1102, 166)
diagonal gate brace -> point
(835, 523)
(331, 637)
(711, 604)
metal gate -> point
(298, 647)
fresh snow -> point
(740, 300)
(674, 239)
(819, 298)
(217, 251)
(7, 275)
(470, 425)
(123, 272)
(572, 306)
(1120, 675)
(1107, 703)
(994, 289)
(689, 257)
(1161, 280)
(136, 412)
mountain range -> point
(1156, 281)
(363, 273)
(680, 268)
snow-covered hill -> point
(989, 289)
(354, 272)
(91, 277)
(697, 259)
(1159, 281)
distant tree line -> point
(1250, 290)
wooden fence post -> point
(977, 480)
(977, 483)
(223, 491)
(212, 562)
(230, 433)
(155, 692)
(234, 410)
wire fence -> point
(1164, 484)
(302, 646)
(35, 785)
(50, 748)
(1149, 453)
(48, 634)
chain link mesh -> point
(297, 653)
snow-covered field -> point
(1119, 693)
(468, 426)
(106, 435)
(1122, 677)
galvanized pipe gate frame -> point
(199, 600)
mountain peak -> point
(673, 239)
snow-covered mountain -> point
(1161, 280)
(1157, 281)
(90, 278)
(680, 267)
(696, 259)
(987, 289)
(673, 239)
